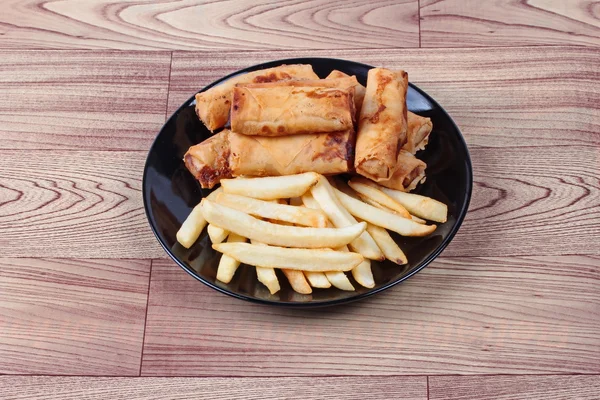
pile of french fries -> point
(313, 228)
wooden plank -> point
(82, 100)
(208, 25)
(54, 388)
(80, 204)
(558, 387)
(72, 316)
(460, 23)
(518, 315)
(500, 97)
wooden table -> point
(89, 302)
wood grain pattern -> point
(54, 388)
(463, 23)
(82, 100)
(531, 122)
(79, 317)
(520, 315)
(208, 25)
(558, 387)
(81, 204)
(499, 97)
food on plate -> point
(379, 217)
(382, 124)
(213, 105)
(390, 248)
(359, 90)
(229, 154)
(324, 195)
(275, 234)
(271, 188)
(418, 131)
(361, 186)
(292, 135)
(290, 258)
(290, 110)
(281, 212)
(407, 174)
(228, 265)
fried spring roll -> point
(359, 90)
(229, 154)
(289, 110)
(213, 105)
(418, 132)
(382, 125)
(408, 173)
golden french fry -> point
(272, 187)
(216, 234)
(192, 227)
(266, 275)
(418, 220)
(297, 281)
(364, 189)
(275, 234)
(420, 206)
(309, 201)
(228, 265)
(274, 211)
(390, 248)
(324, 194)
(376, 204)
(363, 275)
(289, 258)
(317, 279)
(376, 216)
(339, 280)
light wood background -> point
(91, 307)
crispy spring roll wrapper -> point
(213, 105)
(290, 110)
(382, 125)
(418, 132)
(229, 154)
(325, 153)
(408, 173)
(209, 160)
(359, 90)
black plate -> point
(170, 193)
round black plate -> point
(170, 193)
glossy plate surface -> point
(170, 192)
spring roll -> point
(408, 173)
(229, 154)
(382, 125)
(213, 105)
(418, 132)
(359, 90)
(209, 160)
(289, 110)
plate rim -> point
(312, 303)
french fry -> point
(363, 275)
(279, 235)
(376, 216)
(339, 280)
(274, 211)
(193, 225)
(324, 194)
(228, 265)
(317, 279)
(288, 258)
(376, 204)
(216, 234)
(266, 275)
(273, 187)
(385, 242)
(297, 281)
(359, 185)
(420, 206)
